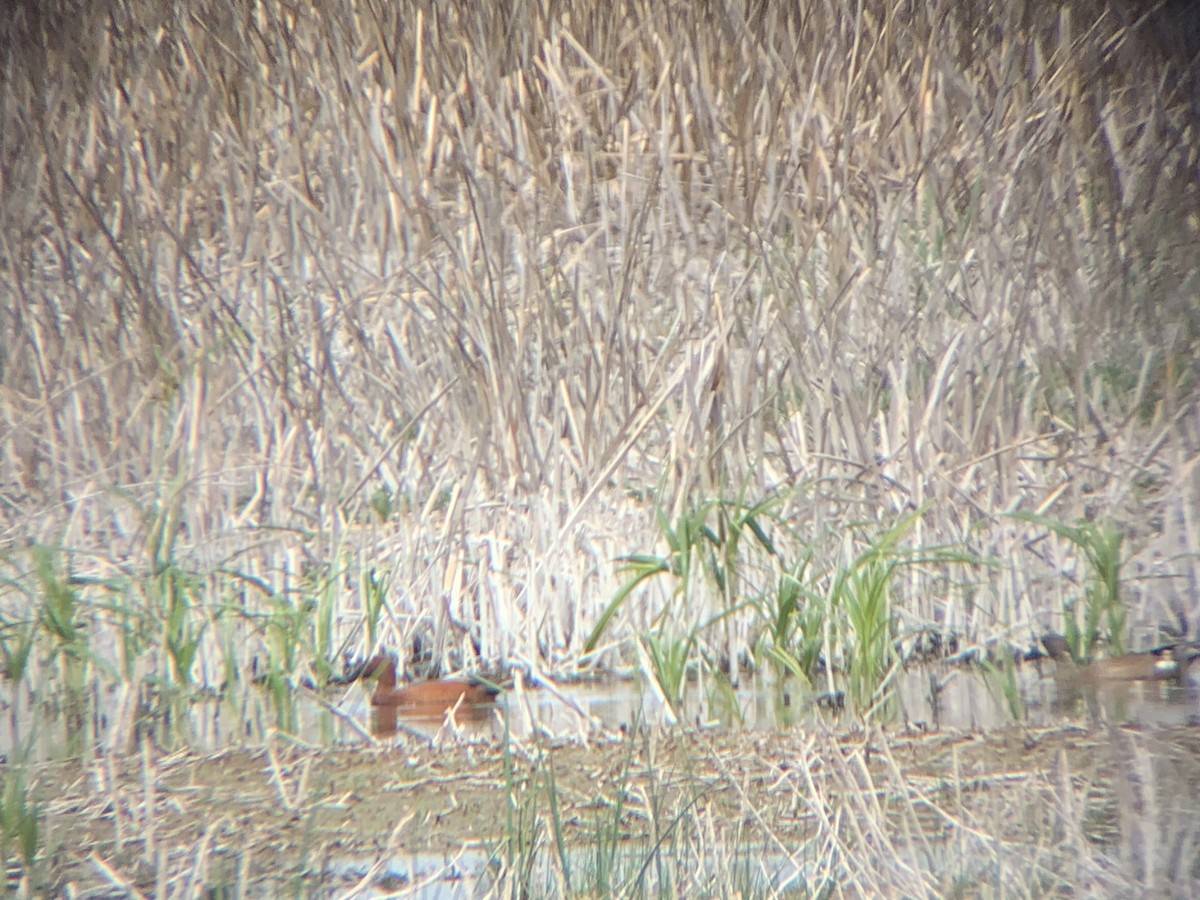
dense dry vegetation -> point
(430, 311)
(437, 307)
(422, 316)
(1043, 812)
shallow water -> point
(931, 697)
(469, 873)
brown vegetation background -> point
(458, 294)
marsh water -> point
(929, 697)
(416, 805)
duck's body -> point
(426, 698)
(434, 696)
(1159, 665)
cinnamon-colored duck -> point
(1166, 664)
(427, 699)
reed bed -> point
(1025, 812)
(388, 323)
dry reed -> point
(504, 270)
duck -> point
(426, 699)
(1163, 664)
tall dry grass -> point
(445, 292)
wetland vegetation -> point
(548, 341)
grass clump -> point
(20, 823)
(809, 616)
(1101, 617)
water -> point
(935, 697)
